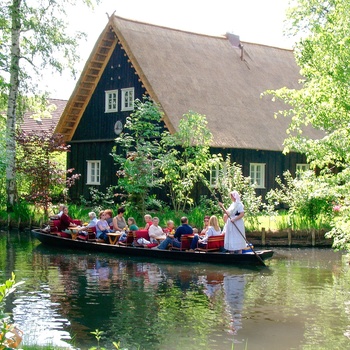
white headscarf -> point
(237, 203)
(236, 196)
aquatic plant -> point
(10, 335)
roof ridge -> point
(222, 36)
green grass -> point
(40, 347)
(32, 216)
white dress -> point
(234, 239)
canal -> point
(300, 301)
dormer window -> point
(127, 99)
(111, 101)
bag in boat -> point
(143, 241)
(46, 228)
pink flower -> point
(336, 208)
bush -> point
(309, 200)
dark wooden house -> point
(217, 76)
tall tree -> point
(186, 158)
(33, 36)
(323, 100)
(137, 156)
(38, 166)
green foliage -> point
(98, 335)
(309, 199)
(37, 166)
(137, 154)
(231, 178)
(206, 206)
(79, 212)
(99, 200)
(186, 158)
(322, 102)
(45, 40)
(5, 290)
(41, 347)
(23, 211)
(33, 37)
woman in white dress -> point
(234, 228)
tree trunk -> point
(11, 188)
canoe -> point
(211, 257)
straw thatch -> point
(185, 71)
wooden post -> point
(263, 236)
(313, 237)
(289, 236)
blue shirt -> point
(184, 229)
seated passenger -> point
(148, 220)
(119, 223)
(92, 223)
(102, 228)
(66, 221)
(109, 216)
(156, 232)
(184, 229)
(213, 230)
(132, 224)
(170, 228)
(206, 225)
(60, 212)
(131, 227)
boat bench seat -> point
(54, 228)
(185, 243)
(215, 243)
(90, 236)
(129, 240)
(142, 234)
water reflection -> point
(97, 291)
(234, 296)
(300, 301)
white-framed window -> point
(214, 175)
(127, 99)
(111, 101)
(93, 172)
(216, 172)
(257, 174)
(300, 168)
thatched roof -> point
(185, 71)
(30, 124)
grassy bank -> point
(27, 216)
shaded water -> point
(301, 301)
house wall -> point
(276, 164)
(94, 136)
(77, 159)
(95, 124)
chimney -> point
(235, 42)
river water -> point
(300, 301)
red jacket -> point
(65, 221)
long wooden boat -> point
(211, 257)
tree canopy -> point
(33, 37)
(323, 100)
